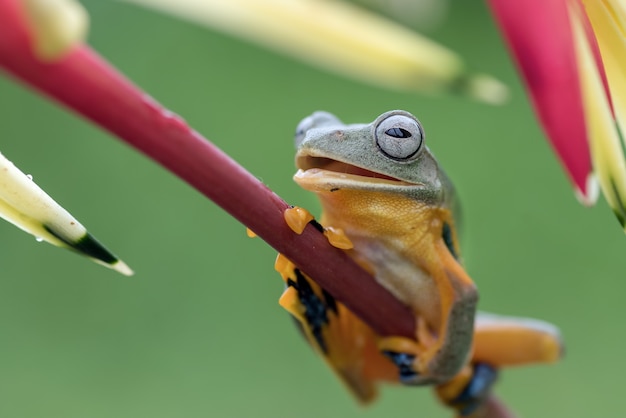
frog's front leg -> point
(298, 218)
(439, 354)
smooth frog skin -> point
(381, 186)
(395, 216)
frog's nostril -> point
(338, 135)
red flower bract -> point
(539, 34)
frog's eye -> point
(318, 119)
(399, 137)
(304, 125)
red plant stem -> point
(87, 84)
(493, 408)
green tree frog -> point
(387, 202)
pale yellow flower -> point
(341, 37)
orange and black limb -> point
(476, 391)
(404, 363)
(315, 307)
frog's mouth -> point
(327, 170)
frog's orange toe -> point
(290, 302)
(284, 266)
(337, 238)
(297, 218)
(405, 354)
(399, 345)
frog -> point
(387, 202)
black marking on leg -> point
(331, 303)
(477, 389)
(334, 189)
(299, 325)
(404, 362)
(87, 245)
(317, 225)
(315, 309)
(446, 234)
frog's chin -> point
(318, 179)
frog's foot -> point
(405, 353)
(284, 266)
(412, 356)
(290, 301)
(313, 311)
(297, 219)
(404, 363)
(337, 238)
(467, 391)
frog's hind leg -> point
(310, 306)
(440, 353)
(499, 341)
(512, 341)
(346, 343)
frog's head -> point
(388, 154)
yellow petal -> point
(341, 37)
(608, 19)
(56, 26)
(606, 148)
(28, 207)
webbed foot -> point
(412, 356)
(298, 218)
(404, 363)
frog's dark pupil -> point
(398, 133)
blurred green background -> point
(198, 331)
